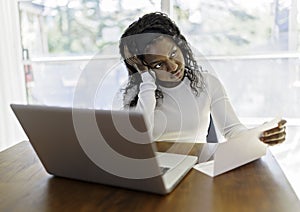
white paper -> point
(237, 151)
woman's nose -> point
(172, 66)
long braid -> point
(158, 23)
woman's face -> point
(165, 58)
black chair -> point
(212, 135)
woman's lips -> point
(178, 73)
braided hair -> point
(151, 26)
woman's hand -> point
(134, 61)
(275, 135)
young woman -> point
(175, 95)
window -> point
(252, 43)
(238, 27)
(60, 37)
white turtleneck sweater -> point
(183, 117)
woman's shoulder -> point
(211, 79)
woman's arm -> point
(222, 111)
(146, 101)
(146, 96)
(228, 122)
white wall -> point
(12, 82)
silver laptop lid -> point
(91, 145)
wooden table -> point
(257, 186)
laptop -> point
(101, 146)
(235, 152)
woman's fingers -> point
(134, 61)
(275, 135)
(282, 122)
(274, 131)
(130, 58)
(274, 138)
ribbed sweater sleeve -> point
(146, 99)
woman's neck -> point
(169, 84)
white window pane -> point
(222, 27)
(78, 27)
(72, 28)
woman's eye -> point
(173, 53)
(158, 66)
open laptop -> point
(101, 146)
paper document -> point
(237, 151)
